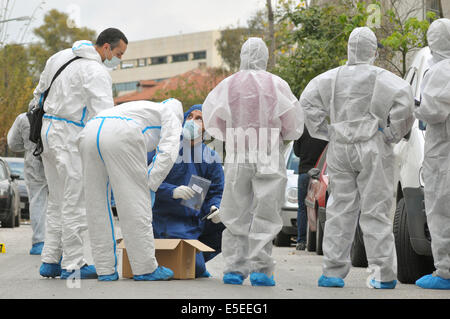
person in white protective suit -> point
(35, 181)
(362, 110)
(259, 107)
(435, 111)
(82, 90)
(114, 147)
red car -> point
(316, 203)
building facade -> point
(162, 58)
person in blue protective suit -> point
(173, 220)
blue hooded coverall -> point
(173, 220)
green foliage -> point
(55, 35)
(16, 87)
(21, 66)
(231, 40)
(318, 42)
(405, 37)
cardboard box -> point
(176, 254)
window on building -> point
(141, 63)
(159, 60)
(200, 55)
(129, 64)
(180, 57)
(434, 6)
(126, 86)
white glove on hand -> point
(214, 217)
(183, 192)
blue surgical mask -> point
(191, 130)
(114, 62)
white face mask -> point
(114, 62)
(191, 130)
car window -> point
(16, 168)
(293, 162)
(2, 171)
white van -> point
(412, 237)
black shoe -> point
(300, 246)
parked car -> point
(16, 165)
(316, 202)
(290, 206)
(9, 197)
(412, 236)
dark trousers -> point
(302, 218)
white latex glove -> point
(214, 217)
(183, 192)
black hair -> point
(111, 36)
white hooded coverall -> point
(82, 90)
(114, 146)
(18, 141)
(435, 111)
(254, 192)
(351, 106)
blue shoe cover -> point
(50, 270)
(206, 274)
(161, 273)
(331, 282)
(86, 272)
(433, 282)
(260, 279)
(113, 277)
(383, 285)
(36, 249)
(232, 278)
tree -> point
(402, 33)
(16, 87)
(20, 66)
(269, 24)
(55, 35)
(318, 41)
(232, 38)
(271, 35)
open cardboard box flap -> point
(170, 244)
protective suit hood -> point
(86, 49)
(362, 46)
(254, 55)
(192, 109)
(439, 39)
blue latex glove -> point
(152, 195)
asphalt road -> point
(296, 276)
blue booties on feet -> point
(161, 273)
(50, 270)
(86, 272)
(433, 282)
(36, 249)
(232, 278)
(113, 277)
(261, 279)
(383, 285)
(331, 282)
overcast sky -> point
(138, 19)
